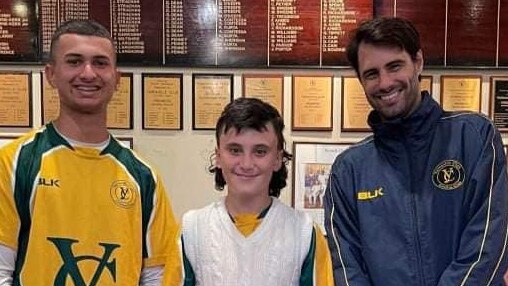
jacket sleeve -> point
(481, 256)
(341, 224)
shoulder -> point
(290, 214)
(470, 124)
(357, 153)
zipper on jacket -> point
(414, 217)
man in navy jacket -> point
(424, 201)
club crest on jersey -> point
(448, 175)
(123, 194)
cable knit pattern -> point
(272, 255)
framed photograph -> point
(4, 140)
(15, 99)
(461, 92)
(126, 141)
(162, 101)
(426, 83)
(120, 105)
(498, 111)
(312, 103)
(354, 108)
(210, 94)
(312, 163)
(266, 87)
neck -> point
(83, 128)
(237, 205)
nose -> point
(88, 71)
(246, 162)
(385, 81)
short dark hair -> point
(384, 31)
(79, 27)
(252, 113)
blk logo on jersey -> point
(448, 175)
(49, 182)
(70, 267)
(366, 195)
(123, 194)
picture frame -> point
(498, 106)
(266, 87)
(312, 162)
(312, 103)
(354, 106)
(15, 99)
(210, 94)
(461, 92)
(162, 101)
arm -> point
(163, 232)
(342, 230)
(481, 257)
(7, 262)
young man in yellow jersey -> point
(77, 208)
(249, 237)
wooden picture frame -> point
(312, 103)
(162, 101)
(210, 94)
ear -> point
(419, 62)
(49, 73)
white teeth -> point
(87, 88)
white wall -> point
(182, 157)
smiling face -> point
(83, 70)
(390, 79)
(247, 160)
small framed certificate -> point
(312, 102)
(120, 105)
(355, 107)
(266, 87)
(15, 99)
(499, 102)
(210, 94)
(312, 164)
(461, 93)
(162, 101)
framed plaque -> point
(15, 99)
(312, 163)
(126, 141)
(210, 94)
(120, 105)
(499, 102)
(268, 88)
(4, 140)
(312, 102)
(50, 102)
(162, 101)
(461, 93)
(426, 83)
(355, 107)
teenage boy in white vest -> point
(249, 237)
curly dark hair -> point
(251, 113)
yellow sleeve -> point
(163, 230)
(322, 260)
(10, 223)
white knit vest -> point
(272, 255)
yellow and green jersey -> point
(81, 216)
